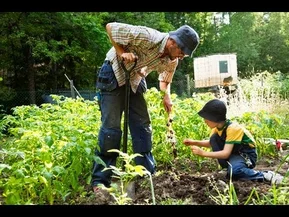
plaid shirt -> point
(148, 44)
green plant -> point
(228, 197)
(125, 175)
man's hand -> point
(167, 103)
(129, 57)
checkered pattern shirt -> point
(148, 44)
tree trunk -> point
(31, 75)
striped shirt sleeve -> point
(126, 34)
(168, 74)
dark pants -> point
(236, 164)
(112, 103)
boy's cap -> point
(186, 38)
(215, 110)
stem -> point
(152, 190)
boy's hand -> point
(197, 150)
(188, 142)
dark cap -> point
(215, 110)
(186, 38)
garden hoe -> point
(126, 106)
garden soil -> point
(184, 182)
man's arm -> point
(165, 87)
(127, 57)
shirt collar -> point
(163, 44)
(225, 125)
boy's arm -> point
(223, 154)
(200, 143)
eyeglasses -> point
(182, 54)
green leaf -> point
(43, 180)
(48, 140)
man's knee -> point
(142, 141)
(109, 139)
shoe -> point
(273, 178)
(102, 195)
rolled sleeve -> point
(168, 74)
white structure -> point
(213, 69)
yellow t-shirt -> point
(236, 134)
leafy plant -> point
(126, 175)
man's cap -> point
(186, 38)
(215, 110)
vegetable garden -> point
(46, 153)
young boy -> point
(233, 146)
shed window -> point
(223, 66)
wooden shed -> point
(213, 70)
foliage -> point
(126, 175)
(50, 153)
(43, 46)
(47, 152)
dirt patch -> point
(186, 183)
(200, 187)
